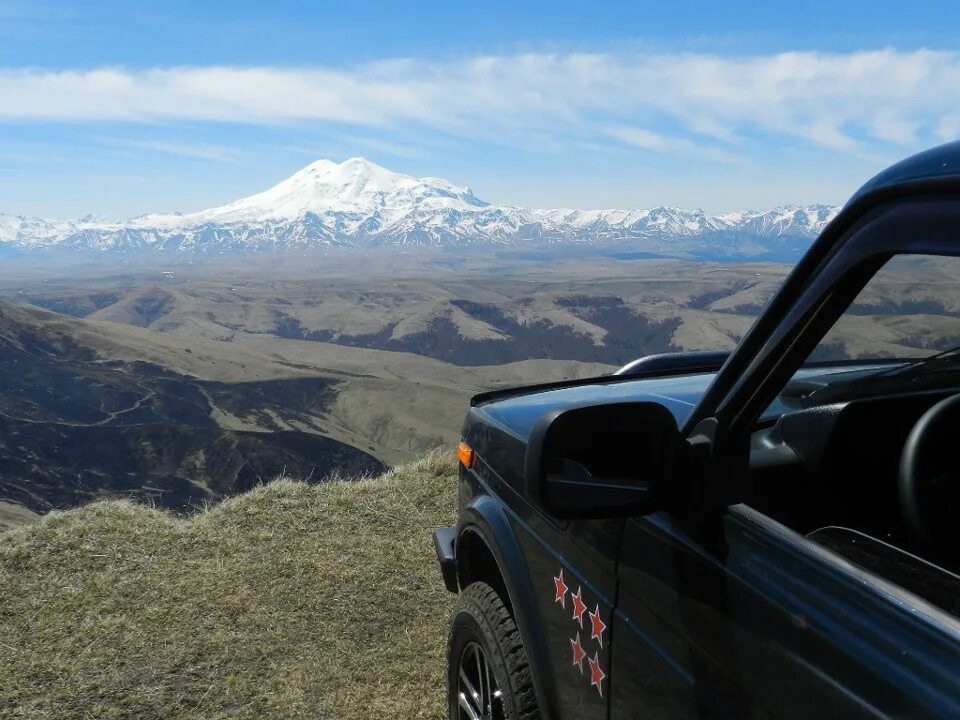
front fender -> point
(487, 519)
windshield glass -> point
(910, 309)
(903, 325)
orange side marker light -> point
(465, 455)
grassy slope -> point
(12, 515)
(289, 601)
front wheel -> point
(488, 676)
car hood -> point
(498, 429)
(519, 413)
(498, 426)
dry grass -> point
(291, 601)
(13, 515)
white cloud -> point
(638, 137)
(197, 151)
(656, 142)
(661, 102)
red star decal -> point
(578, 653)
(596, 673)
(561, 588)
(597, 626)
(578, 607)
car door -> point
(775, 626)
(819, 636)
(723, 612)
(572, 568)
(674, 635)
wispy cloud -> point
(196, 151)
(405, 148)
(684, 103)
(656, 142)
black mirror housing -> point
(601, 461)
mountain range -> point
(357, 204)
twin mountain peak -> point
(359, 204)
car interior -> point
(860, 456)
(838, 473)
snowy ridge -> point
(359, 204)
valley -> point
(182, 383)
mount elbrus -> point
(358, 204)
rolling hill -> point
(92, 409)
(185, 386)
(75, 426)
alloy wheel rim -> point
(478, 695)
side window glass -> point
(909, 309)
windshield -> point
(909, 310)
(903, 329)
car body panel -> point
(697, 633)
(531, 550)
(936, 164)
(486, 518)
(717, 610)
(515, 416)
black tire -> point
(482, 622)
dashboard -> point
(831, 473)
(836, 464)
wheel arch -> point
(476, 563)
(486, 537)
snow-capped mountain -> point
(359, 204)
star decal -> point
(578, 653)
(561, 588)
(597, 626)
(596, 673)
(578, 607)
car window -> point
(909, 309)
(908, 313)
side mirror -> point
(601, 461)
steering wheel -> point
(929, 484)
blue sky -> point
(129, 107)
